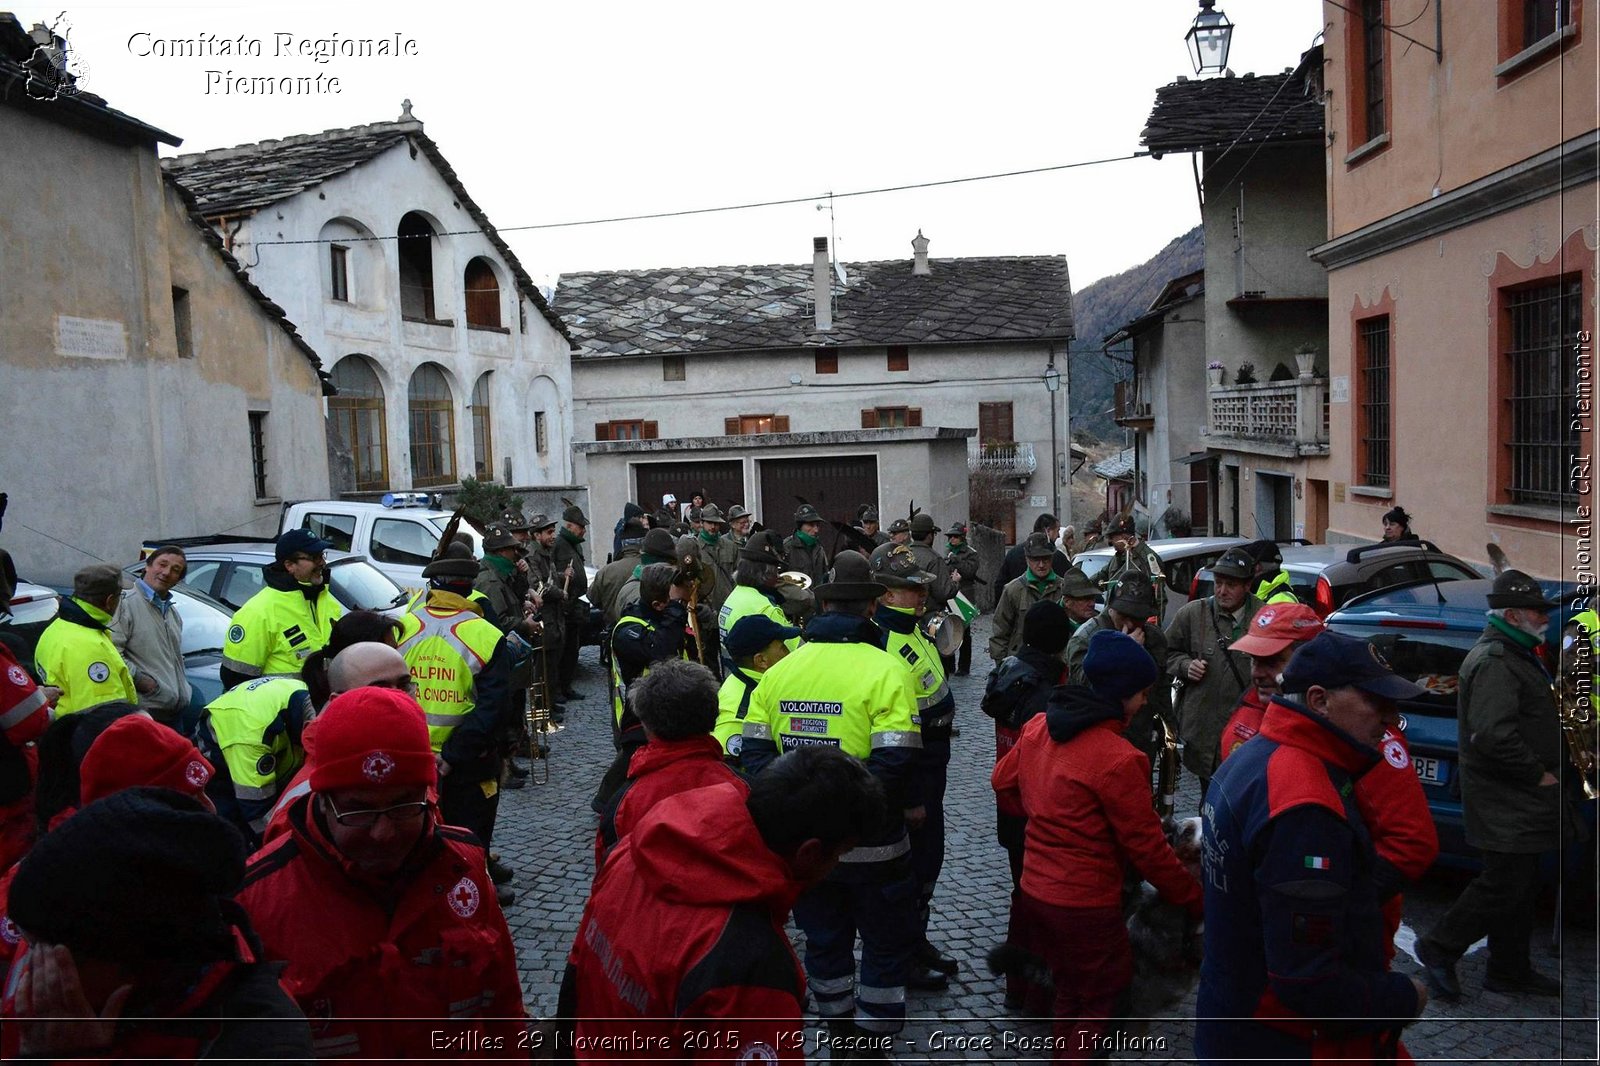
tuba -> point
(945, 630)
(1575, 705)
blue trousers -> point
(927, 843)
(879, 904)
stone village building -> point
(1461, 255)
(152, 389)
(887, 383)
(448, 361)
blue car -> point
(1425, 630)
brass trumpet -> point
(1575, 706)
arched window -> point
(483, 294)
(482, 441)
(358, 415)
(433, 427)
(416, 267)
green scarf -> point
(1041, 583)
(709, 537)
(500, 564)
(1524, 640)
(805, 538)
(570, 537)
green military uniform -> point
(1141, 732)
(1202, 630)
(1015, 599)
(251, 734)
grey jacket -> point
(152, 646)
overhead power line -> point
(736, 207)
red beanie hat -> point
(137, 751)
(371, 736)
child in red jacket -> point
(1086, 793)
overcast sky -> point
(572, 111)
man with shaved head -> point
(371, 664)
(368, 664)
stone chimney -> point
(919, 248)
(821, 284)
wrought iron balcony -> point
(1273, 417)
(1006, 458)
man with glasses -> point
(367, 855)
(286, 621)
(75, 653)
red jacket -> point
(685, 928)
(1086, 793)
(660, 769)
(1390, 800)
(24, 715)
(430, 946)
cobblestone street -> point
(546, 833)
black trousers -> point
(462, 803)
(1499, 904)
(962, 659)
(572, 640)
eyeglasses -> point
(399, 814)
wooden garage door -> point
(834, 485)
(723, 481)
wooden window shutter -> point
(602, 431)
(780, 423)
(899, 357)
(869, 418)
(730, 426)
(913, 416)
(649, 432)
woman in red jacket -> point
(1086, 793)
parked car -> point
(1425, 630)
(32, 607)
(1326, 576)
(230, 571)
(1180, 558)
(398, 537)
(205, 625)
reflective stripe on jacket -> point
(446, 649)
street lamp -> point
(1052, 384)
(1208, 39)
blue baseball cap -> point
(752, 633)
(1333, 660)
(300, 541)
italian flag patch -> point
(1318, 862)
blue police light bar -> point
(405, 499)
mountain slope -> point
(1100, 308)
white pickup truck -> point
(399, 537)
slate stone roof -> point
(1191, 116)
(1118, 467)
(746, 308)
(30, 83)
(248, 177)
(242, 180)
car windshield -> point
(360, 586)
(205, 622)
(1091, 563)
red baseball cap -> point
(1276, 626)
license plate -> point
(1427, 769)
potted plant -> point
(1305, 359)
(1214, 373)
(1245, 375)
